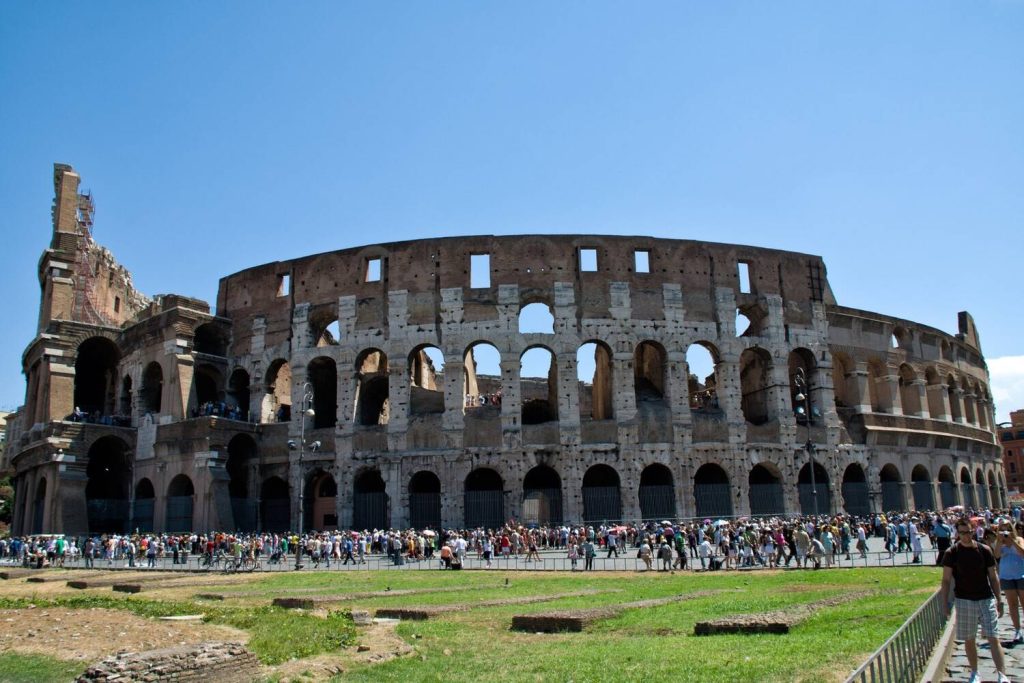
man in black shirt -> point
(973, 567)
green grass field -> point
(477, 643)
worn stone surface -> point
(576, 620)
(778, 621)
(227, 662)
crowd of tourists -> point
(710, 545)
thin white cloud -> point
(1007, 374)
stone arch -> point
(751, 319)
(322, 375)
(702, 364)
(275, 505)
(39, 507)
(96, 376)
(211, 339)
(657, 493)
(980, 493)
(324, 329)
(649, 363)
(947, 487)
(900, 338)
(238, 395)
(538, 382)
(712, 492)
(891, 482)
(595, 373)
(765, 490)
(277, 393)
(542, 497)
(426, 380)
(241, 470)
(108, 486)
(373, 392)
(970, 405)
(984, 403)
(842, 366)
(481, 378)
(602, 500)
(536, 318)
(936, 407)
(910, 397)
(125, 401)
(956, 412)
(807, 490)
(755, 382)
(180, 500)
(370, 501)
(995, 500)
(483, 499)
(856, 500)
(321, 499)
(921, 483)
(209, 386)
(878, 387)
(145, 499)
(425, 500)
(967, 493)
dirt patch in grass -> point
(378, 643)
(88, 635)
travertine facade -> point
(371, 363)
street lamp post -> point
(307, 411)
(803, 396)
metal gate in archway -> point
(947, 493)
(807, 497)
(713, 500)
(370, 510)
(108, 515)
(484, 509)
(767, 499)
(542, 507)
(892, 498)
(601, 504)
(244, 512)
(179, 514)
(657, 503)
(143, 514)
(855, 498)
(924, 499)
(425, 510)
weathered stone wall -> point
(227, 662)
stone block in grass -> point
(294, 603)
(560, 622)
(78, 584)
(127, 588)
(412, 613)
(210, 596)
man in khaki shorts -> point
(973, 567)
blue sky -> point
(887, 137)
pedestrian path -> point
(957, 669)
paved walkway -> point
(958, 670)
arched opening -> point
(209, 391)
(856, 500)
(330, 336)
(936, 409)
(947, 487)
(921, 484)
(766, 496)
(425, 501)
(900, 338)
(878, 387)
(657, 494)
(755, 380)
(702, 359)
(180, 496)
(370, 502)
(712, 492)
(39, 507)
(969, 396)
(807, 490)
(125, 409)
(536, 318)
(892, 488)
(275, 505)
(145, 497)
(841, 365)
(801, 362)
(241, 470)
(238, 395)
(372, 388)
(955, 407)
(323, 377)
(542, 497)
(980, 491)
(538, 385)
(743, 323)
(324, 329)
(277, 394)
(426, 381)
(481, 380)
(984, 401)
(321, 498)
(649, 372)
(601, 495)
(107, 489)
(967, 489)
(96, 376)
(595, 374)
(993, 491)
(484, 499)
(211, 339)
(910, 397)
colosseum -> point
(465, 381)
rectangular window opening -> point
(117, 304)
(372, 270)
(588, 260)
(743, 269)
(642, 261)
(480, 271)
(284, 285)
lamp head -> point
(800, 396)
(315, 445)
(310, 412)
(292, 445)
(800, 410)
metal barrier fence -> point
(905, 655)
(550, 560)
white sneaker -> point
(1001, 677)
(973, 678)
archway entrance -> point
(856, 500)
(484, 500)
(921, 483)
(240, 469)
(107, 489)
(657, 494)
(967, 490)
(947, 487)
(806, 490)
(892, 489)
(96, 376)
(542, 497)
(274, 505)
(425, 501)
(180, 495)
(601, 499)
(712, 492)
(766, 497)
(145, 497)
(370, 502)
(39, 507)
(322, 496)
